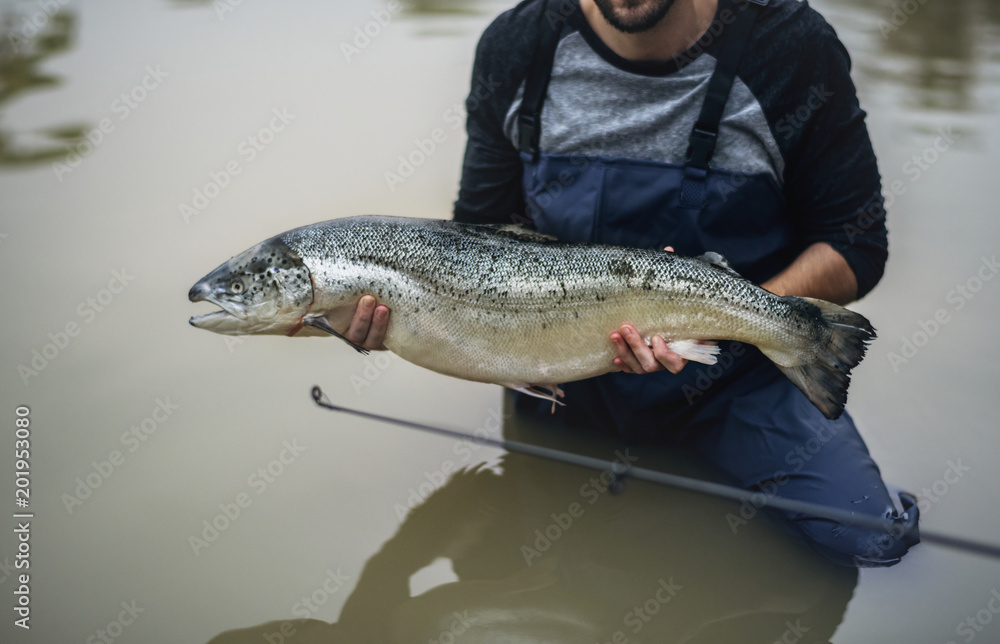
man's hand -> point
(369, 324)
(633, 355)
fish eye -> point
(236, 287)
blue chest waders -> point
(742, 413)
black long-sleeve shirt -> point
(792, 114)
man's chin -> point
(643, 16)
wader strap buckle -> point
(527, 134)
(701, 145)
(704, 136)
(529, 119)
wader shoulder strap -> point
(550, 24)
(706, 129)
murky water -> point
(184, 487)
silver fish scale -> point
(506, 305)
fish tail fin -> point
(845, 337)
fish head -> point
(265, 290)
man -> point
(708, 125)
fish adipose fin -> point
(320, 323)
(825, 380)
(695, 350)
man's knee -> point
(864, 547)
(881, 548)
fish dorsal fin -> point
(520, 233)
(716, 259)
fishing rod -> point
(698, 486)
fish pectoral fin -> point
(695, 350)
(535, 391)
(321, 323)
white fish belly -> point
(540, 347)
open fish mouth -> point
(221, 322)
(208, 319)
(230, 320)
(242, 318)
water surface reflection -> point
(934, 49)
(938, 70)
(545, 552)
(30, 39)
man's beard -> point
(641, 15)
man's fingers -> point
(620, 364)
(669, 249)
(376, 332)
(673, 362)
(362, 320)
(625, 358)
(640, 349)
(633, 355)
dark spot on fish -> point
(647, 282)
(622, 268)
